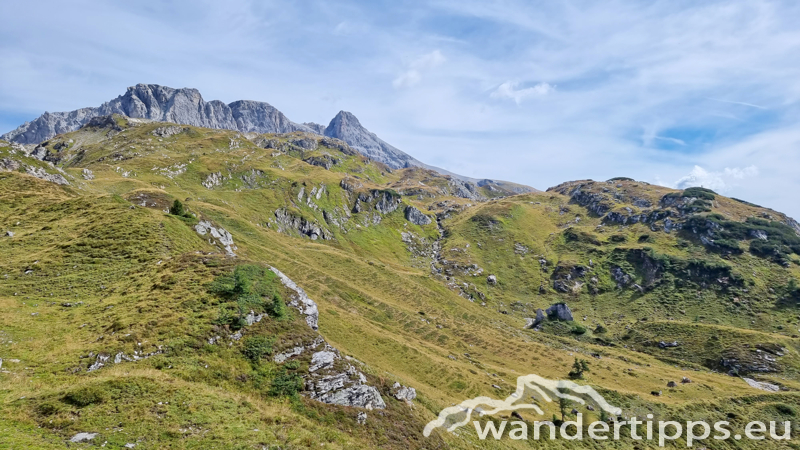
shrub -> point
(177, 208)
(700, 193)
(85, 396)
(786, 410)
(257, 347)
(578, 329)
(579, 367)
(285, 384)
(249, 287)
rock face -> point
(163, 104)
(218, 235)
(416, 216)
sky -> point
(677, 93)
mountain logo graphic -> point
(457, 416)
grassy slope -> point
(140, 278)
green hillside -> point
(126, 317)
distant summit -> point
(186, 106)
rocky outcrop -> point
(288, 223)
(217, 235)
(324, 161)
(567, 278)
(165, 132)
(416, 216)
(769, 387)
(300, 300)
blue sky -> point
(671, 92)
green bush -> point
(285, 384)
(177, 208)
(700, 193)
(257, 347)
(85, 396)
(249, 287)
(578, 329)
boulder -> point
(559, 311)
(491, 279)
(672, 384)
(83, 437)
(404, 393)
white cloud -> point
(716, 181)
(413, 75)
(508, 90)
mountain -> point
(162, 104)
(174, 286)
(345, 126)
(186, 106)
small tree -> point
(177, 208)
(579, 367)
(564, 405)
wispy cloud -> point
(508, 90)
(717, 181)
(413, 74)
(643, 88)
(736, 103)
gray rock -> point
(769, 387)
(300, 300)
(672, 344)
(322, 360)
(218, 234)
(88, 174)
(416, 216)
(491, 279)
(559, 311)
(361, 418)
(287, 222)
(83, 437)
(42, 174)
(386, 203)
(165, 132)
(535, 324)
(360, 396)
(9, 234)
(759, 234)
(8, 165)
(672, 384)
(403, 393)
